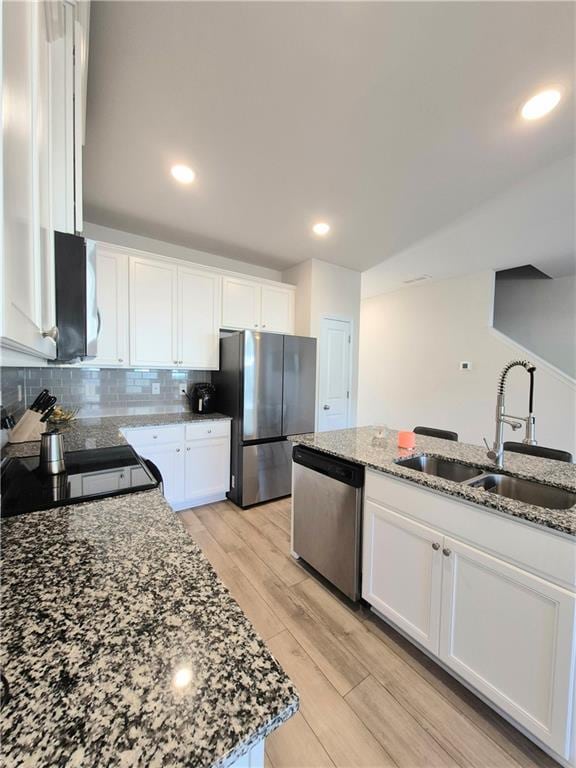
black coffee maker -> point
(202, 398)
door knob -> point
(326, 407)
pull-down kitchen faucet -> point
(497, 453)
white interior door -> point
(334, 385)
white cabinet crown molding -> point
(191, 264)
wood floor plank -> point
(338, 614)
(190, 519)
(524, 751)
(281, 563)
(342, 668)
(263, 618)
(340, 731)
(295, 745)
(400, 735)
(458, 736)
(224, 535)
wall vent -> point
(417, 279)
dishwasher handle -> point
(344, 471)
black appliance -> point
(89, 475)
(202, 399)
(77, 316)
(267, 383)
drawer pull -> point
(155, 437)
(446, 552)
(435, 546)
(209, 431)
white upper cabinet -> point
(240, 303)
(69, 63)
(174, 315)
(277, 309)
(198, 318)
(112, 300)
(27, 250)
(251, 305)
(153, 313)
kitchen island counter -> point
(377, 448)
(121, 646)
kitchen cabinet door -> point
(27, 251)
(511, 635)
(240, 303)
(153, 313)
(170, 461)
(112, 300)
(277, 309)
(207, 468)
(199, 319)
(402, 572)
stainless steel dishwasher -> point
(327, 509)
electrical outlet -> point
(465, 365)
(155, 388)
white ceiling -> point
(389, 120)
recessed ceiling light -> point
(540, 104)
(183, 174)
(321, 228)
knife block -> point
(29, 428)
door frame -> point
(342, 319)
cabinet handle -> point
(446, 552)
(263, 325)
(435, 546)
(177, 450)
(175, 362)
(255, 325)
(188, 449)
(155, 437)
(53, 333)
(209, 431)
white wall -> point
(327, 290)
(128, 240)
(411, 344)
(541, 316)
(532, 223)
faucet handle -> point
(490, 452)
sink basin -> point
(433, 465)
(526, 491)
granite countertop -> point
(106, 607)
(377, 447)
(104, 431)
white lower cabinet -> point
(507, 632)
(510, 635)
(194, 460)
(402, 573)
(207, 468)
(170, 461)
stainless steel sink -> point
(434, 465)
(526, 491)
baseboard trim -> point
(198, 501)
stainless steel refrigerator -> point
(267, 383)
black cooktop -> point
(89, 475)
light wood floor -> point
(368, 697)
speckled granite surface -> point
(103, 605)
(104, 431)
(377, 447)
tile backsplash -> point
(99, 391)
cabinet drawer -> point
(204, 429)
(154, 435)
